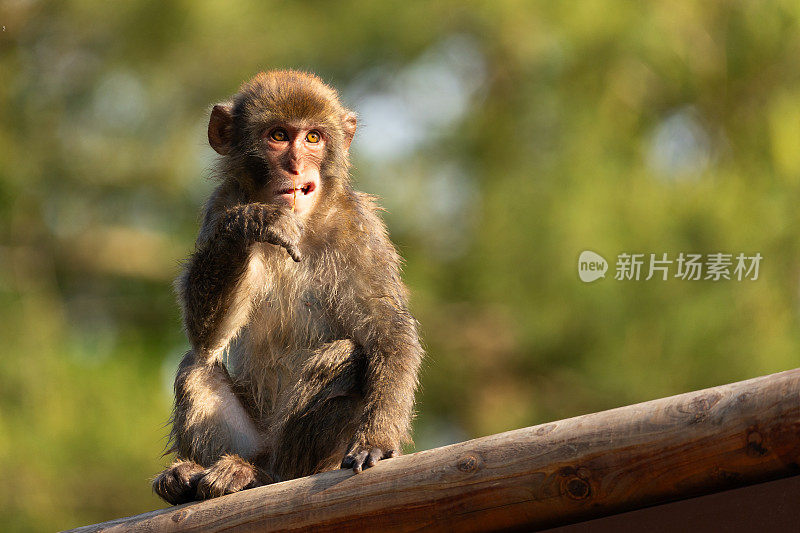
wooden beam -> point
(543, 476)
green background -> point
(505, 138)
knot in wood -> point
(700, 407)
(576, 488)
(755, 447)
(468, 463)
(179, 516)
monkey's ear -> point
(349, 121)
(220, 128)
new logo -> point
(591, 266)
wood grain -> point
(543, 476)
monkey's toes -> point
(178, 483)
(228, 475)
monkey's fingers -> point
(294, 253)
(279, 240)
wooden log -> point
(547, 475)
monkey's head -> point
(286, 138)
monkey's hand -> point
(265, 223)
(363, 456)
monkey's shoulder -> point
(365, 225)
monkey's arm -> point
(221, 280)
(388, 335)
(217, 291)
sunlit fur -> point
(293, 364)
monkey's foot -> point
(178, 482)
(229, 474)
(361, 457)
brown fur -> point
(295, 367)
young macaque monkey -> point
(304, 356)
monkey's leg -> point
(313, 429)
(209, 424)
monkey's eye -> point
(279, 135)
(313, 136)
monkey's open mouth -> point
(308, 188)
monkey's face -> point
(285, 133)
(294, 154)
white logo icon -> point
(591, 266)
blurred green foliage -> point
(505, 138)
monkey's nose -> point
(293, 166)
